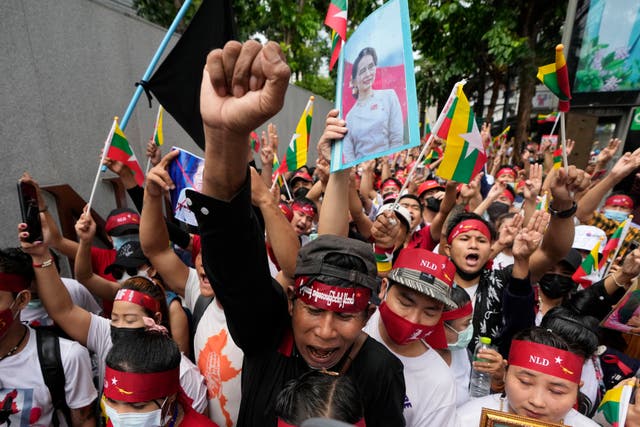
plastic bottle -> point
(480, 384)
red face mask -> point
(402, 331)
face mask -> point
(556, 286)
(137, 419)
(402, 331)
(117, 333)
(433, 204)
(118, 241)
(615, 215)
(464, 337)
(141, 273)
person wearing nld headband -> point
(503, 300)
(25, 399)
(541, 382)
(319, 394)
(139, 304)
(409, 323)
(142, 384)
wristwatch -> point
(563, 214)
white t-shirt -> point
(375, 125)
(38, 316)
(219, 358)
(501, 261)
(22, 383)
(430, 388)
(99, 341)
(469, 414)
(461, 369)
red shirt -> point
(101, 259)
(422, 239)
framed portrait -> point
(625, 315)
(376, 89)
(493, 418)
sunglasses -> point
(117, 273)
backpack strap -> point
(50, 360)
(198, 310)
(355, 349)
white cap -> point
(587, 236)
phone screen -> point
(30, 211)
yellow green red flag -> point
(296, 155)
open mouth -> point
(321, 356)
(472, 259)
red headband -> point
(508, 195)
(469, 225)
(389, 183)
(304, 208)
(621, 200)
(506, 171)
(139, 298)
(132, 387)
(13, 282)
(283, 423)
(334, 298)
(458, 313)
(546, 359)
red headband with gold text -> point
(13, 282)
(546, 359)
(458, 313)
(304, 208)
(333, 298)
(506, 171)
(139, 298)
(132, 387)
(469, 225)
(620, 200)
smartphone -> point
(30, 211)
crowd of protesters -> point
(359, 299)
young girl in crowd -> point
(541, 382)
(142, 384)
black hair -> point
(501, 218)
(364, 52)
(317, 394)
(144, 353)
(15, 261)
(580, 332)
(463, 216)
(460, 297)
(543, 336)
(412, 197)
(147, 286)
(303, 201)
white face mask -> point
(136, 419)
(141, 273)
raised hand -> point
(470, 190)
(626, 164)
(509, 230)
(529, 238)
(485, 133)
(608, 152)
(266, 150)
(565, 184)
(570, 144)
(85, 226)
(158, 179)
(153, 152)
(533, 185)
(386, 229)
(243, 86)
(334, 129)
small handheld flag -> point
(120, 150)
(555, 76)
(296, 155)
(589, 271)
(158, 134)
(337, 20)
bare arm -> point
(362, 221)
(154, 238)
(179, 326)
(448, 202)
(83, 417)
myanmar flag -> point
(557, 158)
(464, 155)
(543, 203)
(296, 155)
(616, 239)
(336, 20)
(433, 156)
(255, 142)
(589, 272)
(555, 76)
(614, 403)
(158, 134)
(120, 150)
(277, 173)
(547, 118)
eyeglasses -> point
(117, 273)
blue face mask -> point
(118, 241)
(464, 337)
(615, 215)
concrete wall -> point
(68, 67)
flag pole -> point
(563, 136)
(555, 123)
(622, 237)
(152, 65)
(286, 187)
(107, 143)
(434, 130)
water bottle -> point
(480, 384)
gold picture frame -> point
(493, 418)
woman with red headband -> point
(142, 384)
(542, 382)
(139, 305)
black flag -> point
(176, 83)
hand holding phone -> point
(30, 212)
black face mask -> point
(496, 209)
(117, 333)
(300, 192)
(433, 204)
(556, 285)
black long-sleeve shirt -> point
(235, 259)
